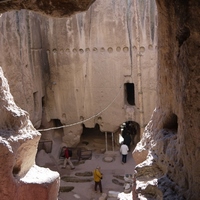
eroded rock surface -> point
(170, 144)
(53, 8)
(18, 144)
(174, 127)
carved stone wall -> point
(76, 68)
(170, 144)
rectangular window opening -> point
(130, 93)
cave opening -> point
(130, 93)
(95, 139)
(171, 123)
(17, 168)
(57, 122)
(130, 134)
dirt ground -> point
(79, 186)
(78, 183)
(110, 170)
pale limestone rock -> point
(74, 69)
(39, 183)
(124, 196)
(18, 144)
(113, 194)
(72, 137)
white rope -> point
(80, 122)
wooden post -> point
(113, 143)
(106, 141)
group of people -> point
(124, 149)
(97, 175)
(128, 134)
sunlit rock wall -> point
(171, 139)
(20, 177)
(24, 61)
(74, 69)
(93, 54)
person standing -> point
(97, 179)
(127, 139)
(124, 151)
(67, 158)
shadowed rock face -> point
(170, 144)
(53, 8)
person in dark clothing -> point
(127, 140)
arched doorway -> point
(130, 134)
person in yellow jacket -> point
(97, 179)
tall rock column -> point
(168, 154)
(20, 177)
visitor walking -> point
(124, 151)
(97, 179)
(68, 154)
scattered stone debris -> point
(108, 159)
(119, 177)
(115, 181)
(127, 185)
(128, 178)
(66, 188)
(113, 194)
(76, 179)
(103, 196)
(84, 174)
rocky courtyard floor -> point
(79, 184)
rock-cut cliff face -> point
(170, 143)
(76, 70)
(20, 177)
(168, 155)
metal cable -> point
(80, 122)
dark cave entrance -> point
(171, 122)
(46, 142)
(129, 93)
(96, 140)
(130, 133)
